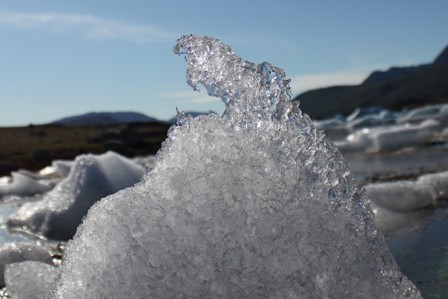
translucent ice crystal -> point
(253, 204)
(247, 89)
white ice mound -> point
(249, 205)
(409, 195)
(91, 178)
(22, 184)
(30, 280)
(389, 138)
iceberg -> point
(251, 204)
(60, 211)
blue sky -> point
(65, 57)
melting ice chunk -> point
(91, 178)
(253, 204)
(23, 183)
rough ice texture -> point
(30, 280)
(61, 210)
(15, 253)
(249, 205)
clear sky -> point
(64, 57)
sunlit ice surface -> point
(247, 205)
(250, 204)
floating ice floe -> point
(30, 280)
(253, 204)
(369, 121)
(360, 118)
(369, 117)
(337, 122)
(437, 112)
(405, 196)
(24, 183)
(388, 138)
(396, 204)
(61, 210)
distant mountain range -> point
(113, 118)
(104, 118)
(395, 89)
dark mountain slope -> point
(442, 58)
(395, 89)
(104, 118)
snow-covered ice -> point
(61, 210)
(253, 204)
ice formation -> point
(373, 117)
(22, 184)
(14, 253)
(30, 280)
(253, 204)
(61, 210)
(437, 112)
(389, 138)
(408, 195)
(60, 168)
